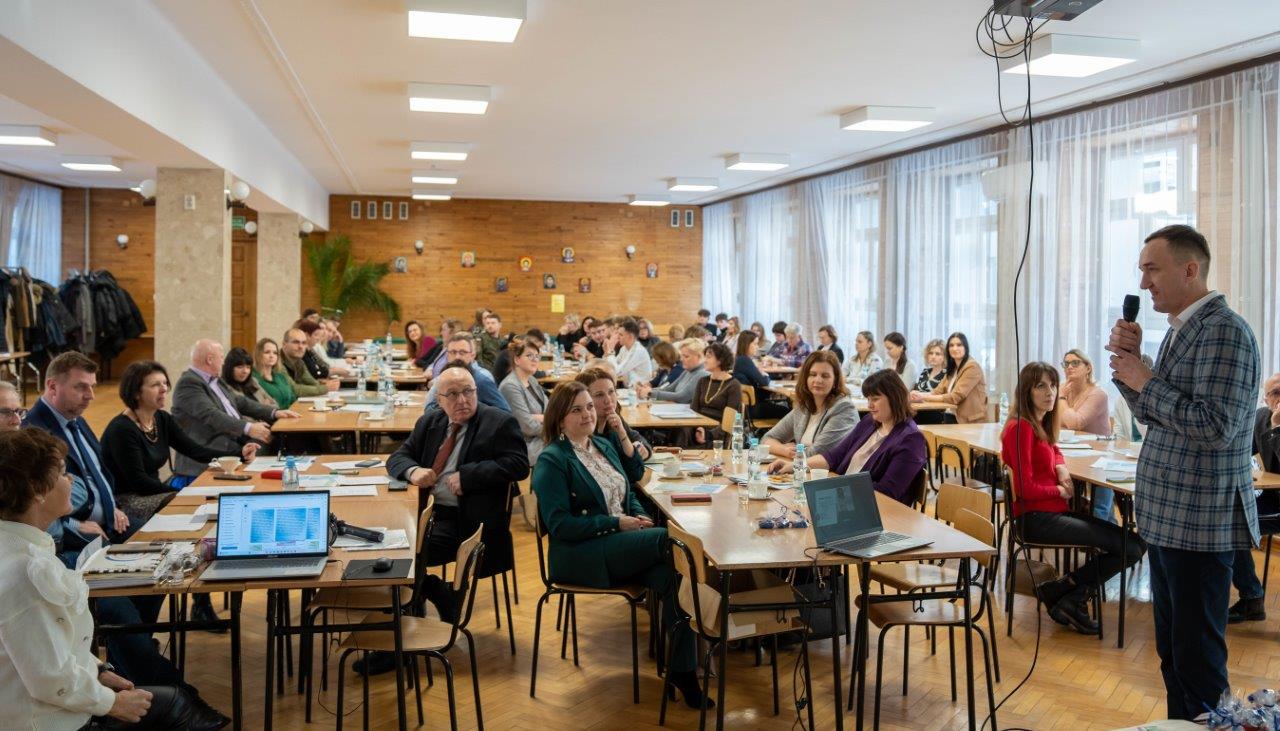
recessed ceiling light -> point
(453, 151)
(650, 200)
(886, 119)
(497, 21)
(1076, 56)
(692, 185)
(448, 98)
(30, 135)
(93, 163)
(756, 161)
(431, 195)
(434, 177)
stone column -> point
(193, 263)
(279, 273)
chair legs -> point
(537, 635)
(635, 654)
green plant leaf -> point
(348, 285)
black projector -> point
(1044, 9)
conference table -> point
(389, 509)
(362, 420)
(1081, 464)
(733, 542)
(788, 389)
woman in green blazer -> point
(600, 535)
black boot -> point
(202, 611)
(379, 662)
(1247, 610)
(1051, 592)
(689, 687)
(442, 596)
(1073, 611)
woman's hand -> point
(630, 523)
(788, 450)
(1066, 488)
(915, 397)
(130, 705)
(538, 418)
(700, 435)
(780, 467)
(643, 389)
(614, 422)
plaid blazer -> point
(1194, 490)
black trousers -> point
(1084, 530)
(171, 709)
(1189, 595)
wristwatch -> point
(106, 667)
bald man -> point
(213, 413)
(1266, 444)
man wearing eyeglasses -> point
(11, 411)
(469, 457)
(461, 349)
(1266, 444)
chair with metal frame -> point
(750, 399)
(426, 636)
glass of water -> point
(717, 448)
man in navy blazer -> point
(68, 390)
(1194, 493)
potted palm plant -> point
(343, 284)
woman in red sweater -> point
(1043, 487)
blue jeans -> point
(1103, 499)
(1190, 591)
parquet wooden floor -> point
(1079, 683)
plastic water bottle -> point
(289, 480)
(736, 440)
(1004, 407)
(800, 472)
(386, 346)
(362, 378)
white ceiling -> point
(598, 99)
(45, 163)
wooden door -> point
(244, 291)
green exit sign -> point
(237, 223)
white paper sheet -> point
(1116, 465)
(218, 489)
(364, 480)
(317, 482)
(350, 465)
(363, 408)
(162, 523)
(672, 411)
(353, 491)
(262, 464)
(209, 509)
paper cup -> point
(228, 464)
(819, 474)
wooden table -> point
(780, 370)
(555, 377)
(19, 359)
(788, 389)
(399, 376)
(640, 417)
(732, 541)
(357, 423)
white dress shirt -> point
(1177, 321)
(632, 363)
(48, 676)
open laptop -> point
(846, 518)
(271, 535)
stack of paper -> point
(207, 490)
(174, 523)
(672, 411)
(353, 464)
(353, 491)
(262, 464)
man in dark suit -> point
(1252, 605)
(213, 413)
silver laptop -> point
(846, 518)
(271, 535)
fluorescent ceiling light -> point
(96, 163)
(453, 151)
(434, 177)
(1076, 56)
(886, 119)
(650, 200)
(448, 98)
(496, 21)
(692, 185)
(431, 195)
(30, 135)
(755, 161)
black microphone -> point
(1131, 305)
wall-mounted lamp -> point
(631, 251)
(237, 194)
(251, 227)
(122, 241)
(419, 245)
(306, 228)
(147, 189)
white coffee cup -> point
(758, 490)
(671, 469)
(1066, 435)
(819, 474)
(228, 464)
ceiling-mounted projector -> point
(1044, 9)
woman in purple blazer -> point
(888, 446)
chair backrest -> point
(978, 528)
(930, 444)
(953, 453)
(538, 532)
(953, 498)
(699, 600)
(424, 524)
(727, 419)
(468, 559)
(748, 396)
(916, 491)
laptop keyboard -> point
(271, 564)
(876, 541)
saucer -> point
(671, 479)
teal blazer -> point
(573, 510)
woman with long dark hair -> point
(963, 388)
(895, 347)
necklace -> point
(710, 397)
(151, 433)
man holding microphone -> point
(1194, 492)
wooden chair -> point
(634, 594)
(356, 601)
(956, 455)
(701, 601)
(749, 400)
(729, 416)
(514, 589)
(425, 636)
(938, 613)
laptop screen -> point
(842, 507)
(260, 525)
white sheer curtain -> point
(928, 243)
(34, 221)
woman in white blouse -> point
(49, 679)
(864, 361)
(895, 346)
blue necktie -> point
(96, 480)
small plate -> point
(677, 478)
(374, 417)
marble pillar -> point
(279, 274)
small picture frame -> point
(584, 285)
(566, 255)
(371, 211)
(500, 284)
(468, 259)
(526, 263)
(688, 218)
(548, 281)
(356, 209)
(387, 207)
(404, 210)
(651, 270)
(400, 265)
(675, 218)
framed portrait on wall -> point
(371, 211)
(356, 209)
(548, 281)
(404, 210)
(386, 210)
(584, 285)
(566, 255)
(468, 259)
(526, 263)
(400, 265)
(500, 284)
(651, 270)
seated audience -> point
(461, 350)
(570, 332)
(680, 390)
(293, 358)
(648, 338)
(729, 333)
(316, 365)
(794, 348)
(417, 343)
(864, 361)
(895, 349)
(698, 332)
(599, 534)
(237, 371)
(602, 364)
(591, 346)
(335, 347)
(477, 324)
(1042, 491)
(436, 359)
(716, 391)
(888, 446)
(675, 334)
(749, 374)
(271, 377)
(722, 324)
(758, 329)
(779, 340)
(311, 314)
(935, 367)
(524, 394)
(491, 340)
(827, 339)
(667, 360)
(319, 350)
(48, 672)
(502, 364)
(1266, 444)
(630, 358)
(704, 322)
(11, 410)
(823, 413)
(964, 388)
(604, 394)
(1084, 408)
